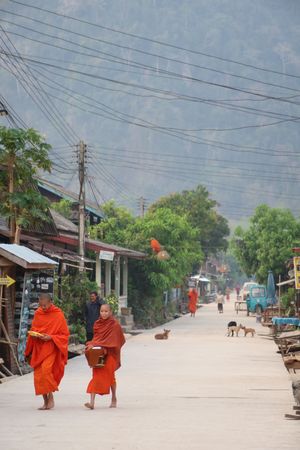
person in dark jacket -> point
(92, 313)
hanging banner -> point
(106, 255)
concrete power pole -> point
(81, 200)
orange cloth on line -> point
(108, 334)
(193, 297)
(48, 358)
(155, 245)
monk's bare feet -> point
(42, 408)
(50, 403)
(45, 397)
(113, 403)
(89, 405)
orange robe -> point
(48, 358)
(108, 334)
(193, 297)
(155, 245)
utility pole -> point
(11, 188)
(81, 202)
(142, 206)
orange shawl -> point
(108, 333)
(51, 322)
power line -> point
(27, 83)
(196, 52)
(139, 152)
(143, 52)
(133, 63)
(189, 176)
(193, 169)
(194, 163)
(174, 129)
(110, 179)
(213, 143)
(244, 109)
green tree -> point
(112, 229)
(199, 210)
(267, 243)
(150, 278)
(63, 207)
(22, 154)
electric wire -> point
(182, 136)
(101, 103)
(132, 63)
(44, 103)
(197, 52)
(143, 52)
(26, 83)
(244, 109)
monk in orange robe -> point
(193, 298)
(47, 352)
(109, 335)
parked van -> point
(257, 300)
(246, 289)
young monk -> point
(48, 353)
(109, 335)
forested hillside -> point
(167, 94)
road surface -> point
(197, 390)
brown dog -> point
(248, 330)
(163, 335)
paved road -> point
(198, 390)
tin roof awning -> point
(97, 246)
(53, 251)
(26, 257)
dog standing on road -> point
(232, 323)
(248, 330)
(232, 328)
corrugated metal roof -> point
(92, 244)
(69, 195)
(63, 224)
(26, 254)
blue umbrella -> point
(271, 287)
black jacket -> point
(92, 313)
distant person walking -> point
(92, 313)
(220, 302)
(193, 299)
(237, 290)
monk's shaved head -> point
(45, 297)
(105, 311)
(45, 301)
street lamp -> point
(3, 112)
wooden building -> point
(24, 274)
